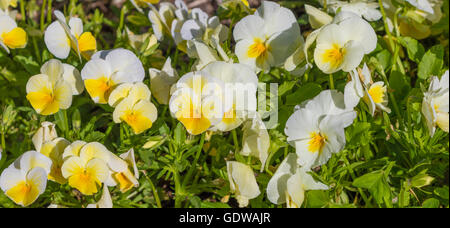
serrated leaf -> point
(431, 63)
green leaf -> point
(431, 63)
(421, 180)
(28, 63)
(431, 203)
(285, 87)
(413, 47)
(317, 199)
(304, 93)
(398, 82)
(377, 185)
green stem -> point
(331, 81)
(235, 140)
(352, 174)
(193, 167)
(22, 11)
(122, 16)
(49, 11)
(66, 123)
(155, 191)
(43, 14)
(178, 189)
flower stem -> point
(43, 14)
(193, 167)
(331, 81)
(155, 191)
(235, 140)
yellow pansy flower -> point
(49, 92)
(120, 173)
(87, 170)
(11, 36)
(54, 150)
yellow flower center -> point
(124, 183)
(377, 93)
(316, 143)
(229, 117)
(258, 49)
(334, 56)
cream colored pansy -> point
(268, 37)
(161, 81)
(256, 140)
(290, 182)
(240, 92)
(11, 36)
(60, 37)
(203, 53)
(120, 173)
(54, 150)
(363, 8)
(107, 69)
(87, 170)
(104, 202)
(25, 179)
(49, 91)
(135, 109)
(138, 41)
(162, 19)
(203, 27)
(362, 86)
(45, 133)
(423, 5)
(316, 128)
(197, 101)
(316, 17)
(137, 90)
(435, 104)
(182, 15)
(342, 44)
(242, 182)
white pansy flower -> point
(316, 128)
(256, 140)
(290, 182)
(162, 19)
(342, 44)
(26, 178)
(363, 8)
(202, 27)
(361, 86)
(161, 81)
(435, 104)
(423, 5)
(107, 69)
(61, 36)
(268, 37)
(240, 92)
(316, 17)
(242, 182)
(104, 202)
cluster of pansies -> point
(83, 166)
(218, 95)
